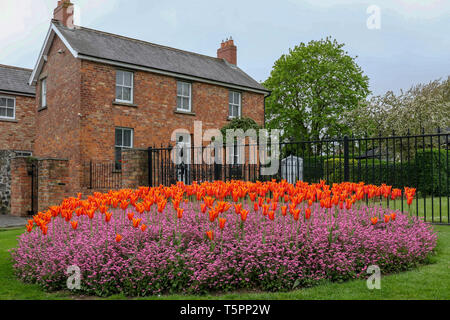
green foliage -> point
(311, 88)
(240, 123)
(424, 106)
(432, 172)
(334, 169)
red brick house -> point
(99, 93)
(17, 110)
(17, 124)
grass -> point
(428, 282)
(439, 206)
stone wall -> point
(5, 181)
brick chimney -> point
(64, 13)
(228, 51)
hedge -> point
(426, 172)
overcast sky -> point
(411, 46)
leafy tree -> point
(311, 87)
(424, 106)
(240, 123)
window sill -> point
(124, 104)
(8, 120)
(232, 118)
(42, 108)
(188, 113)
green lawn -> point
(439, 206)
(427, 282)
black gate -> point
(34, 173)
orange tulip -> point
(284, 210)
(393, 216)
(238, 208)
(308, 213)
(180, 213)
(244, 214)
(118, 238)
(74, 224)
(44, 229)
(136, 222)
(108, 216)
(296, 214)
(29, 227)
(374, 220)
(265, 208)
(271, 215)
(222, 222)
(386, 218)
(130, 215)
(210, 235)
(124, 205)
(203, 207)
(143, 227)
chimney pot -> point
(64, 13)
(228, 51)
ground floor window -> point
(124, 140)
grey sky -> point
(412, 46)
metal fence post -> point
(150, 167)
(346, 160)
(90, 174)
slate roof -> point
(116, 48)
(15, 80)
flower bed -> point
(220, 237)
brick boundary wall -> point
(5, 180)
(20, 186)
(54, 180)
(53, 184)
(134, 168)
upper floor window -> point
(7, 108)
(124, 86)
(43, 93)
(235, 104)
(123, 140)
(184, 90)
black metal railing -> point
(420, 161)
(102, 175)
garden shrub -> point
(431, 171)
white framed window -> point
(123, 140)
(7, 107)
(184, 96)
(23, 153)
(235, 104)
(124, 86)
(43, 93)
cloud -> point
(24, 25)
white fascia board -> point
(45, 49)
(171, 74)
(66, 43)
